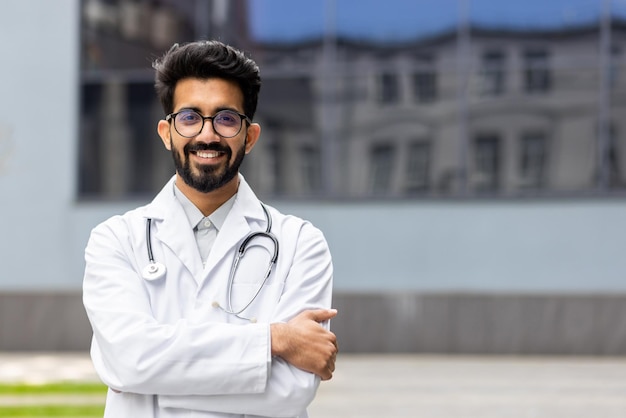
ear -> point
(254, 131)
(163, 128)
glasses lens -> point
(188, 123)
(227, 123)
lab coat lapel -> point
(171, 227)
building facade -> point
(471, 111)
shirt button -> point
(207, 223)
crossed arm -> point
(303, 343)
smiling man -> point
(207, 302)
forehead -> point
(208, 94)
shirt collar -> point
(195, 216)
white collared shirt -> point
(205, 228)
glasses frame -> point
(171, 118)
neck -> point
(207, 203)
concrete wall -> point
(409, 322)
(38, 140)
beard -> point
(207, 177)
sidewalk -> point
(422, 386)
(38, 368)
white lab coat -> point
(165, 347)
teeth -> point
(207, 154)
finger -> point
(333, 340)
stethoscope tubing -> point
(233, 269)
(155, 270)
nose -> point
(207, 133)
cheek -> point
(177, 146)
(236, 147)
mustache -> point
(201, 146)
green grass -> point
(41, 411)
(32, 410)
(64, 388)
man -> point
(180, 327)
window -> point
(493, 73)
(486, 163)
(117, 125)
(348, 92)
(276, 169)
(614, 158)
(381, 166)
(536, 71)
(389, 91)
(533, 148)
(418, 167)
(425, 86)
(120, 153)
(425, 81)
(614, 66)
(311, 170)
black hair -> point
(206, 59)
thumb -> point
(321, 315)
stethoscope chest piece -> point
(153, 271)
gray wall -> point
(38, 132)
(451, 323)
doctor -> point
(179, 328)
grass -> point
(64, 388)
(32, 409)
(41, 411)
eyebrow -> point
(219, 109)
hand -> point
(305, 344)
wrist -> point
(277, 337)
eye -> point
(188, 117)
(227, 118)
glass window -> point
(381, 166)
(311, 172)
(418, 167)
(493, 73)
(425, 86)
(486, 163)
(615, 159)
(276, 183)
(425, 80)
(389, 91)
(614, 66)
(533, 148)
(537, 71)
(335, 82)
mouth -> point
(207, 154)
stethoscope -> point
(156, 270)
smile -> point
(208, 154)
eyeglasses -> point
(189, 123)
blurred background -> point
(466, 159)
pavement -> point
(416, 386)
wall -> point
(503, 277)
(38, 128)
